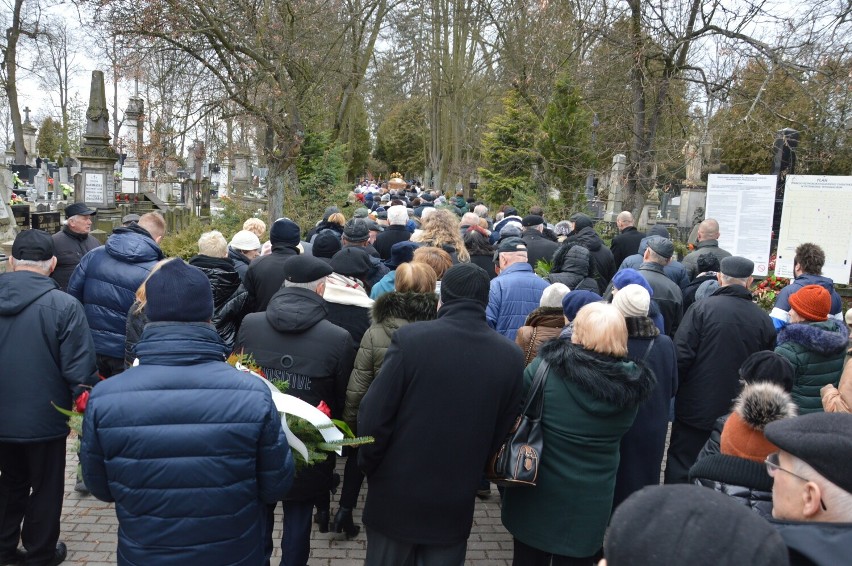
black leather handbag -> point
(516, 462)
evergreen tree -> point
(49, 138)
(401, 139)
(565, 144)
(509, 155)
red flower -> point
(82, 401)
(324, 408)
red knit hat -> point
(741, 440)
(812, 302)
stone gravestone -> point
(40, 184)
(47, 221)
(96, 185)
(614, 201)
(21, 212)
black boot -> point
(322, 519)
(343, 523)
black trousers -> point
(525, 555)
(32, 485)
(352, 480)
(383, 551)
(684, 446)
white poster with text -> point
(817, 209)
(743, 206)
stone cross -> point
(26, 114)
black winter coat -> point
(643, 446)
(690, 290)
(437, 419)
(47, 353)
(573, 266)
(69, 250)
(605, 265)
(392, 235)
(265, 275)
(538, 247)
(744, 480)
(293, 342)
(224, 282)
(626, 244)
(715, 337)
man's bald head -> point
(708, 230)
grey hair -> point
(480, 210)
(42, 265)
(728, 280)
(840, 500)
(310, 285)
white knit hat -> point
(633, 300)
(552, 295)
(245, 240)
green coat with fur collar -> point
(390, 312)
(590, 401)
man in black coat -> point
(73, 241)
(436, 421)
(293, 342)
(538, 247)
(265, 273)
(628, 239)
(716, 336)
(49, 357)
(396, 231)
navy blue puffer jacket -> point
(106, 281)
(190, 450)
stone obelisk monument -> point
(95, 184)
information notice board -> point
(817, 209)
(743, 206)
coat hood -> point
(412, 307)
(588, 238)
(19, 289)
(827, 338)
(295, 310)
(180, 344)
(608, 382)
(572, 258)
(761, 403)
(129, 246)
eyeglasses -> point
(773, 465)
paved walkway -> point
(89, 528)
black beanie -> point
(284, 231)
(178, 292)
(766, 365)
(326, 244)
(674, 525)
(465, 281)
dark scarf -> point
(75, 235)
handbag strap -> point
(528, 357)
(535, 396)
(648, 350)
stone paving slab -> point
(89, 528)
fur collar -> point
(551, 317)
(612, 380)
(641, 327)
(412, 307)
(827, 338)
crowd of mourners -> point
(420, 320)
